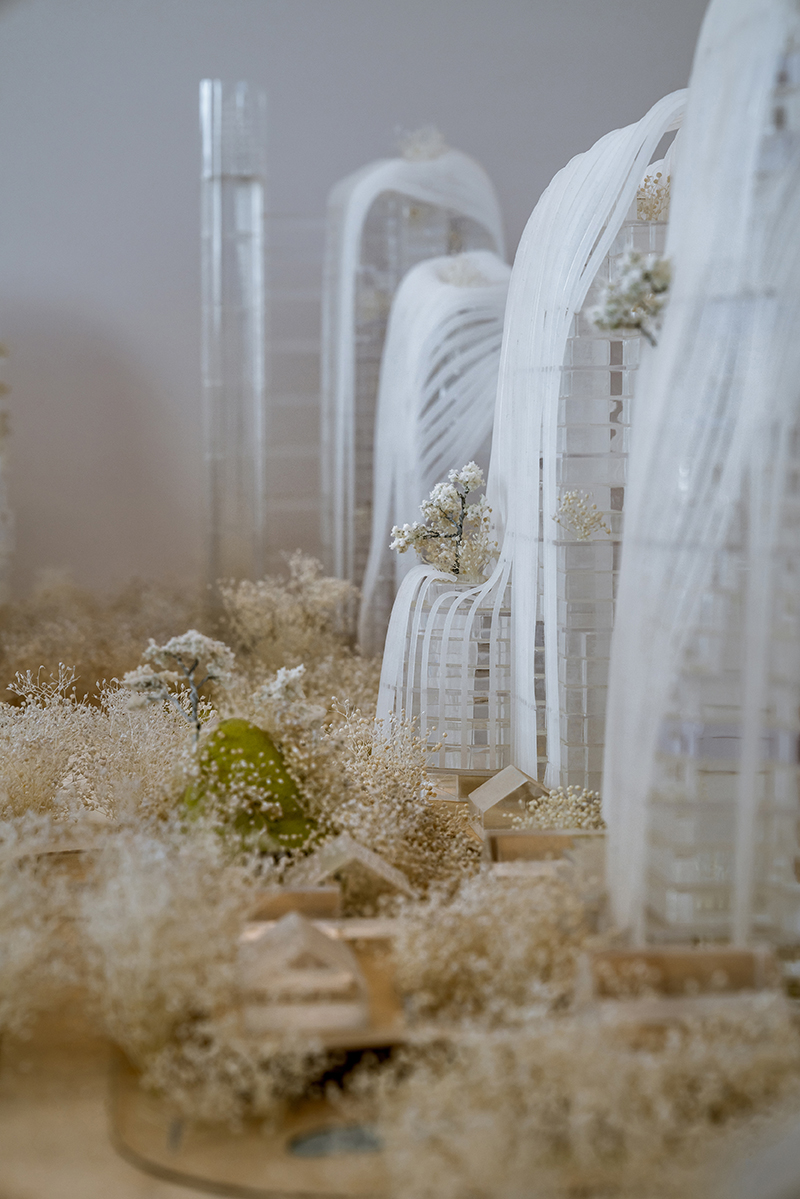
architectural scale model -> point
(232, 122)
(700, 785)
(382, 221)
(473, 661)
(294, 977)
(435, 405)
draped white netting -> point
(474, 662)
(435, 405)
(700, 784)
(381, 221)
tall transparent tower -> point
(232, 121)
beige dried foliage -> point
(161, 924)
(34, 901)
(494, 951)
(355, 777)
(209, 1071)
(303, 618)
(520, 1098)
(567, 1107)
(563, 807)
(60, 754)
(387, 804)
(99, 637)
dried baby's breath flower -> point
(60, 754)
(493, 951)
(570, 807)
(580, 517)
(34, 902)
(460, 270)
(100, 637)
(161, 925)
(637, 296)
(652, 198)
(283, 700)
(303, 619)
(455, 535)
(564, 1106)
(387, 804)
(210, 1071)
(422, 145)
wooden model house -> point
(345, 860)
(294, 977)
(496, 803)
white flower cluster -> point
(194, 647)
(284, 697)
(652, 198)
(189, 661)
(422, 145)
(578, 516)
(455, 535)
(636, 297)
(460, 271)
(570, 807)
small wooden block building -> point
(293, 977)
(496, 803)
(343, 857)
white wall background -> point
(99, 210)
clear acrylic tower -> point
(232, 121)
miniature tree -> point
(242, 781)
(177, 671)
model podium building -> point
(344, 860)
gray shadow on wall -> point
(101, 481)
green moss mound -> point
(242, 772)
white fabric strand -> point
(700, 783)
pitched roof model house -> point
(343, 856)
(295, 978)
(496, 802)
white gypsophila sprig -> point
(188, 662)
(580, 517)
(635, 298)
(284, 697)
(455, 534)
(563, 807)
(422, 145)
(652, 198)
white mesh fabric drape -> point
(435, 405)
(381, 221)
(470, 661)
(700, 784)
